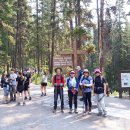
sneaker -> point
(99, 114)
(24, 104)
(62, 111)
(25, 98)
(54, 111)
(85, 111)
(30, 98)
(14, 100)
(18, 104)
(104, 115)
(70, 111)
(76, 112)
(89, 111)
(11, 100)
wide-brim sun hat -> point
(72, 72)
(97, 71)
(78, 67)
(85, 71)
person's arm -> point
(17, 82)
(52, 80)
(90, 84)
(105, 87)
(63, 81)
(80, 82)
(77, 85)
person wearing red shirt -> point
(58, 83)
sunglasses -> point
(72, 73)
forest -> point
(33, 32)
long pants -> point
(71, 95)
(101, 103)
(12, 92)
(87, 100)
(58, 91)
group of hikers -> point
(88, 86)
(16, 84)
(19, 83)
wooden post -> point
(75, 53)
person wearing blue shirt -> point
(87, 82)
(72, 84)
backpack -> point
(61, 78)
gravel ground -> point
(37, 115)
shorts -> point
(43, 84)
(6, 92)
(26, 86)
(20, 88)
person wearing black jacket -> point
(100, 92)
(5, 86)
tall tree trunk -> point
(71, 29)
(53, 33)
(101, 30)
(38, 46)
(98, 22)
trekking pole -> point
(55, 96)
(101, 98)
(83, 98)
(61, 93)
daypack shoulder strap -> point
(85, 78)
(61, 78)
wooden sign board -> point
(63, 61)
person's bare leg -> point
(41, 90)
(29, 94)
(22, 94)
(25, 95)
(44, 90)
(18, 98)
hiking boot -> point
(14, 99)
(62, 111)
(99, 114)
(18, 104)
(24, 104)
(104, 115)
(25, 98)
(85, 111)
(89, 111)
(30, 98)
(76, 112)
(70, 111)
(54, 111)
(11, 100)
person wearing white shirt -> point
(72, 84)
(13, 85)
(44, 84)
